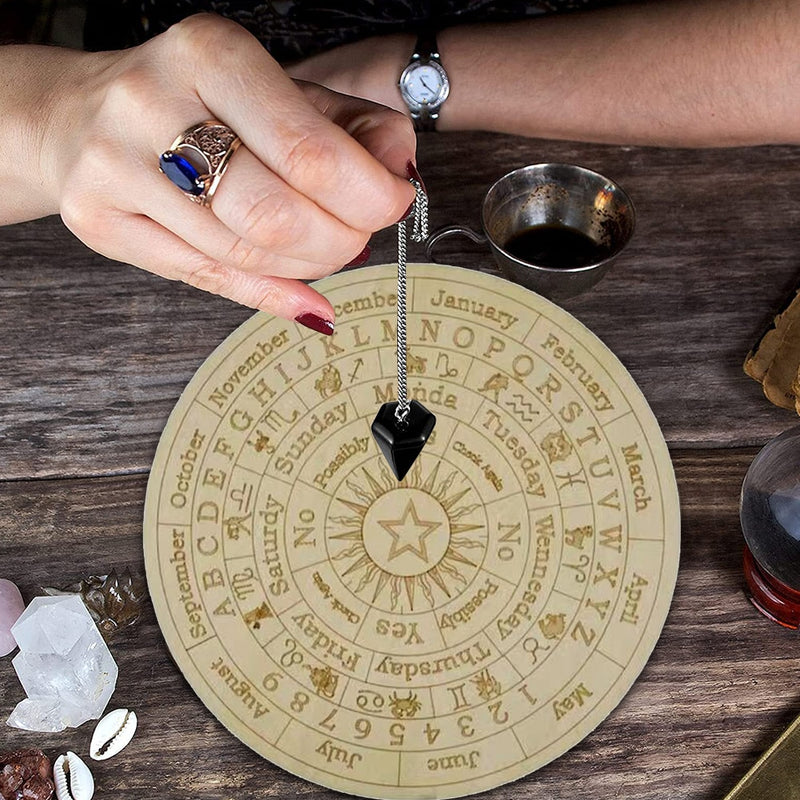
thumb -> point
(383, 132)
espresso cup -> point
(554, 228)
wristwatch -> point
(424, 84)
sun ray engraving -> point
(366, 578)
(354, 506)
(383, 577)
(416, 542)
(426, 589)
(351, 551)
(348, 535)
(427, 487)
(374, 485)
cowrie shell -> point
(112, 734)
(72, 778)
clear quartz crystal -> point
(64, 666)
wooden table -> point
(94, 355)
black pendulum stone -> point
(401, 443)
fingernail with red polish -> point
(361, 258)
(316, 323)
(413, 173)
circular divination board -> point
(436, 637)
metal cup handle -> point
(450, 230)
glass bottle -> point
(769, 511)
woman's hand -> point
(316, 174)
(370, 68)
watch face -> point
(424, 85)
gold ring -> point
(198, 158)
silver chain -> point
(418, 234)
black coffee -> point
(556, 246)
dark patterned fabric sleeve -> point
(294, 29)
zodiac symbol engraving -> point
(329, 382)
(531, 645)
(495, 384)
(243, 583)
(553, 626)
(356, 367)
(575, 537)
(242, 497)
(522, 408)
(557, 446)
(262, 444)
(416, 364)
(369, 700)
(253, 618)
(449, 372)
(234, 526)
(580, 568)
(404, 707)
(487, 685)
(324, 681)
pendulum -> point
(402, 428)
(401, 439)
(769, 511)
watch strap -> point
(426, 49)
(424, 121)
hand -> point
(316, 174)
(369, 68)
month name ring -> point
(434, 637)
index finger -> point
(244, 87)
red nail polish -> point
(316, 323)
(413, 173)
(361, 258)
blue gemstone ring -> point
(198, 158)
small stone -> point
(25, 775)
(32, 762)
(401, 443)
(37, 788)
(11, 608)
(11, 781)
(115, 602)
(181, 172)
(64, 666)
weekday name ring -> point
(198, 158)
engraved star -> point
(412, 541)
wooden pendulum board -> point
(432, 638)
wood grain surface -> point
(94, 353)
(720, 686)
(94, 356)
